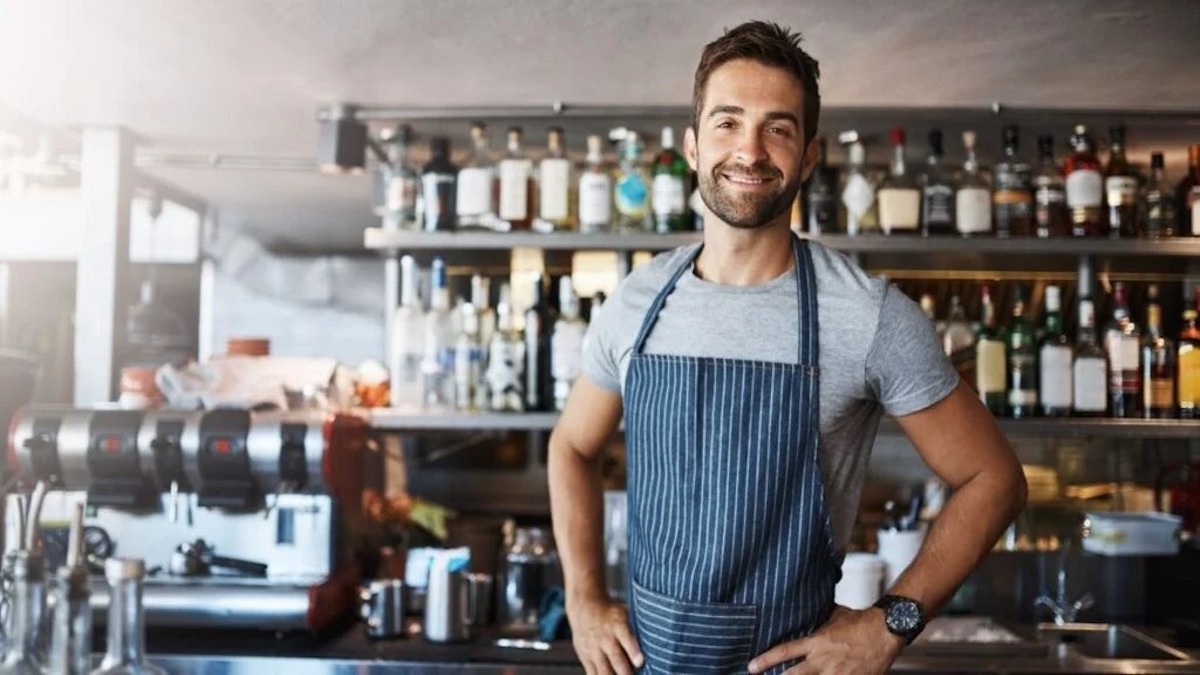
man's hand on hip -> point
(602, 638)
(851, 641)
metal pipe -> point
(35, 514)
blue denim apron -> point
(730, 547)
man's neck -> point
(739, 257)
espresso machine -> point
(243, 519)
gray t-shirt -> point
(878, 351)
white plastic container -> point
(1118, 534)
(862, 581)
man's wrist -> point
(878, 618)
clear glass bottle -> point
(991, 379)
(1120, 187)
(1051, 218)
(1158, 363)
(937, 191)
(858, 194)
(71, 623)
(539, 325)
(899, 196)
(1090, 395)
(126, 652)
(670, 188)
(973, 199)
(1085, 187)
(439, 186)
(821, 194)
(1012, 198)
(517, 194)
(481, 299)
(958, 340)
(1158, 213)
(405, 342)
(1054, 360)
(556, 187)
(27, 611)
(506, 360)
(631, 193)
(400, 183)
(476, 205)
(595, 190)
(437, 366)
(1022, 361)
(566, 345)
(1122, 339)
(468, 355)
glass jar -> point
(531, 567)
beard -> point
(747, 210)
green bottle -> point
(1022, 361)
(670, 188)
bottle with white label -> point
(1122, 343)
(595, 190)
(899, 196)
(405, 348)
(858, 195)
(670, 188)
(1090, 395)
(973, 199)
(991, 376)
(1085, 187)
(516, 184)
(1055, 377)
(506, 360)
(481, 299)
(1121, 185)
(566, 344)
(468, 356)
(632, 190)
(477, 184)
(937, 191)
(437, 365)
(555, 186)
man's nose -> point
(750, 149)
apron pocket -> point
(690, 637)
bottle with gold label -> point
(1120, 187)
(1158, 363)
(1188, 389)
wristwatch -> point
(902, 616)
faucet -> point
(1064, 611)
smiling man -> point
(752, 371)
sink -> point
(1111, 641)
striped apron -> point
(730, 547)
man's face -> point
(748, 147)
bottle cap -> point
(1156, 160)
(668, 138)
(935, 142)
(896, 136)
(124, 569)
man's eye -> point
(725, 124)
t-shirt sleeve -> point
(906, 367)
(601, 351)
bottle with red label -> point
(1085, 186)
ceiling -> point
(231, 76)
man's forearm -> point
(963, 533)
(576, 505)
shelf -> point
(384, 419)
(397, 240)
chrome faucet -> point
(1064, 611)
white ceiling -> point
(243, 77)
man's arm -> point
(960, 441)
(600, 628)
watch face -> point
(903, 617)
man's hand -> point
(603, 640)
(850, 642)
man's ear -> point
(689, 148)
(811, 155)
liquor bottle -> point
(539, 323)
(506, 360)
(1049, 194)
(958, 340)
(1089, 398)
(438, 187)
(481, 299)
(1158, 363)
(437, 367)
(899, 195)
(1188, 366)
(468, 357)
(400, 182)
(1120, 187)
(1085, 187)
(595, 190)
(516, 184)
(1158, 218)
(990, 378)
(821, 195)
(1055, 377)
(125, 652)
(1012, 196)
(566, 345)
(1187, 195)
(937, 191)
(858, 195)
(406, 348)
(554, 186)
(1121, 343)
(670, 188)
(1022, 361)
(476, 204)
(632, 190)
(973, 200)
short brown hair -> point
(771, 45)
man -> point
(752, 371)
